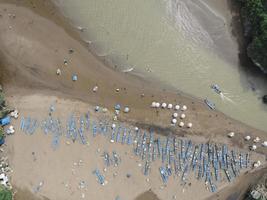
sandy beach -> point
(33, 45)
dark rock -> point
(264, 99)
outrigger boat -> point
(210, 104)
(216, 88)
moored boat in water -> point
(216, 88)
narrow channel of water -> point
(182, 43)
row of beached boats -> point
(179, 157)
(208, 162)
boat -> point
(210, 104)
(216, 88)
(128, 70)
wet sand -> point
(149, 195)
(33, 47)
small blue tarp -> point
(2, 141)
(74, 77)
(117, 107)
(5, 121)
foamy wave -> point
(178, 11)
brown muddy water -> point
(185, 44)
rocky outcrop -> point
(259, 191)
(254, 18)
(264, 99)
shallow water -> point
(182, 43)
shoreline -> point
(56, 17)
(174, 95)
(48, 9)
(44, 155)
(208, 124)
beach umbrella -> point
(181, 124)
(118, 89)
(182, 116)
(157, 105)
(169, 106)
(136, 128)
(177, 107)
(153, 104)
(184, 108)
(97, 108)
(256, 140)
(253, 147)
(231, 134)
(113, 126)
(264, 144)
(174, 121)
(163, 105)
(189, 125)
(175, 115)
(104, 110)
(247, 138)
(126, 109)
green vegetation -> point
(254, 15)
(2, 99)
(5, 194)
(3, 109)
(1, 132)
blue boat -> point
(2, 141)
(5, 121)
(216, 88)
(210, 104)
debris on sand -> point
(58, 72)
(256, 140)
(74, 77)
(82, 29)
(38, 187)
(231, 134)
(71, 51)
(95, 88)
(128, 70)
